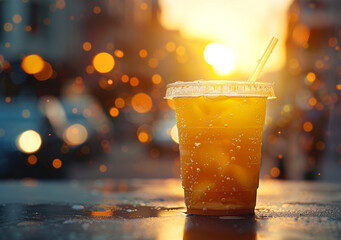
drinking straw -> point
(261, 62)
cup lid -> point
(215, 88)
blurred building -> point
(311, 92)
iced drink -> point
(220, 126)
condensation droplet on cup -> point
(223, 200)
(238, 147)
(198, 170)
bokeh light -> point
(143, 53)
(87, 46)
(174, 134)
(119, 53)
(170, 103)
(144, 133)
(60, 4)
(103, 62)
(26, 113)
(45, 73)
(153, 62)
(218, 56)
(75, 134)
(110, 46)
(181, 50)
(90, 69)
(57, 163)
(96, 10)
(125, 78)
(16, 18)
(308, 126)
(114, 112)
(156, 78)
(311, 77)
(141, 103)
(32, 160)
(170, 46)
(143, 137)
(301, 34)
(32, 64)
(134, 82)
(29, 141)
(143, 6)
(8, 27)
(103, 168)
(119, 102)
(275, 172)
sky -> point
(244, 26)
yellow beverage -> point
(220, 137)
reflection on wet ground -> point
(154, 209)
(14, 214)
(99, 221)
(215, 227)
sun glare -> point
(221, 58)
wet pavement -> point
(154, 209)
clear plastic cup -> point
(220, 126)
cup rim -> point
(228, 88)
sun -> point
(220, 57)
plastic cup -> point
(220, 126)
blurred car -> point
(38, 135)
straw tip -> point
(275, 38)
